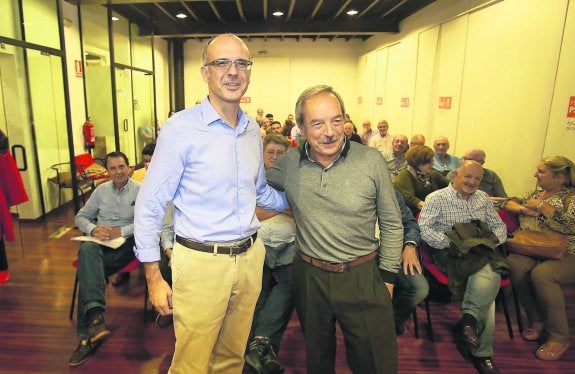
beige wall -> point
(289, 67)
(507, 67)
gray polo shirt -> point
(336, 208)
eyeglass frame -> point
(229, 63)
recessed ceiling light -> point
(115, 19)
(181, 15)
(352, 12)
(278, 13)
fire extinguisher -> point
(89, 136)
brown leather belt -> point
(337, 267)
(239, 247)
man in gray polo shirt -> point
(338, 191)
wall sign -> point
(379, 100)
(405, 102)
(571, 107)
(246, 100)
(78, 68)
(445, 102)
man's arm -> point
(429, 219)
(389, 222)
(85, 217)
(411, 239)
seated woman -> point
(419, 179)
(538, 282)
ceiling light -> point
(115, 18)
(181, 15)
(352, 12)
(278, 13)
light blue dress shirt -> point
(112, 207)
(214, 175)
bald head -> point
(417, 139)
(440, 146)
(468, 176)
(476, 154)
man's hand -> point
(106, 232)
(496, 201)
(410, 261)
(159, 291)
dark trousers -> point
(95, 263)
(359, 301)
(275, 304)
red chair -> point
(133, 265)
(433, 270)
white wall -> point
(508, 68)
(289, 67)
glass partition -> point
(41, 22)
(98, 77)
(141, 49)
(143, 96)
(125, 113)
(10, 20)
(121, 29)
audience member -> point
(275, 128)
(491, 183)
(275, 304)
(538, 282)
(260, 116)
(382, 140)
(216, 254)
(418, 180)
(411, 287)
(337, 248)
(111, 206)
(417, 139)
(288, 126)
(349, 134)
(444, 162)
(367, 132)
(462, 202)
(395, 157)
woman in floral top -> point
(538, 282)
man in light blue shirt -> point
(108, 214)
(208, 162)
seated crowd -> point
(435, 192)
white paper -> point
(113, 243)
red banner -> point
(445, 102)
(405, 102)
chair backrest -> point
(83, 161)
(509, 219)
(430, 266)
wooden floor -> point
(36, 335)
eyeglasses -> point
(224, 64)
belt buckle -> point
(341, 267)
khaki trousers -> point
(214, 297)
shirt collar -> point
(305, 154)
(457, 194)
(212, 117)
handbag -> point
(544, 245)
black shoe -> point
(399, 328)
(83, 352)
(262, 358)
(255, 353)
(121, 279)
(165, 320)
(484, 365)
(467, 334)
(98, 330)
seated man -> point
(348, 130)
(417, 139)
(275, 304)
(462, 202)
(443, 162)
(491, 183)
(383, 139)
(411, 287)
(395, 157)
(111, 206)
